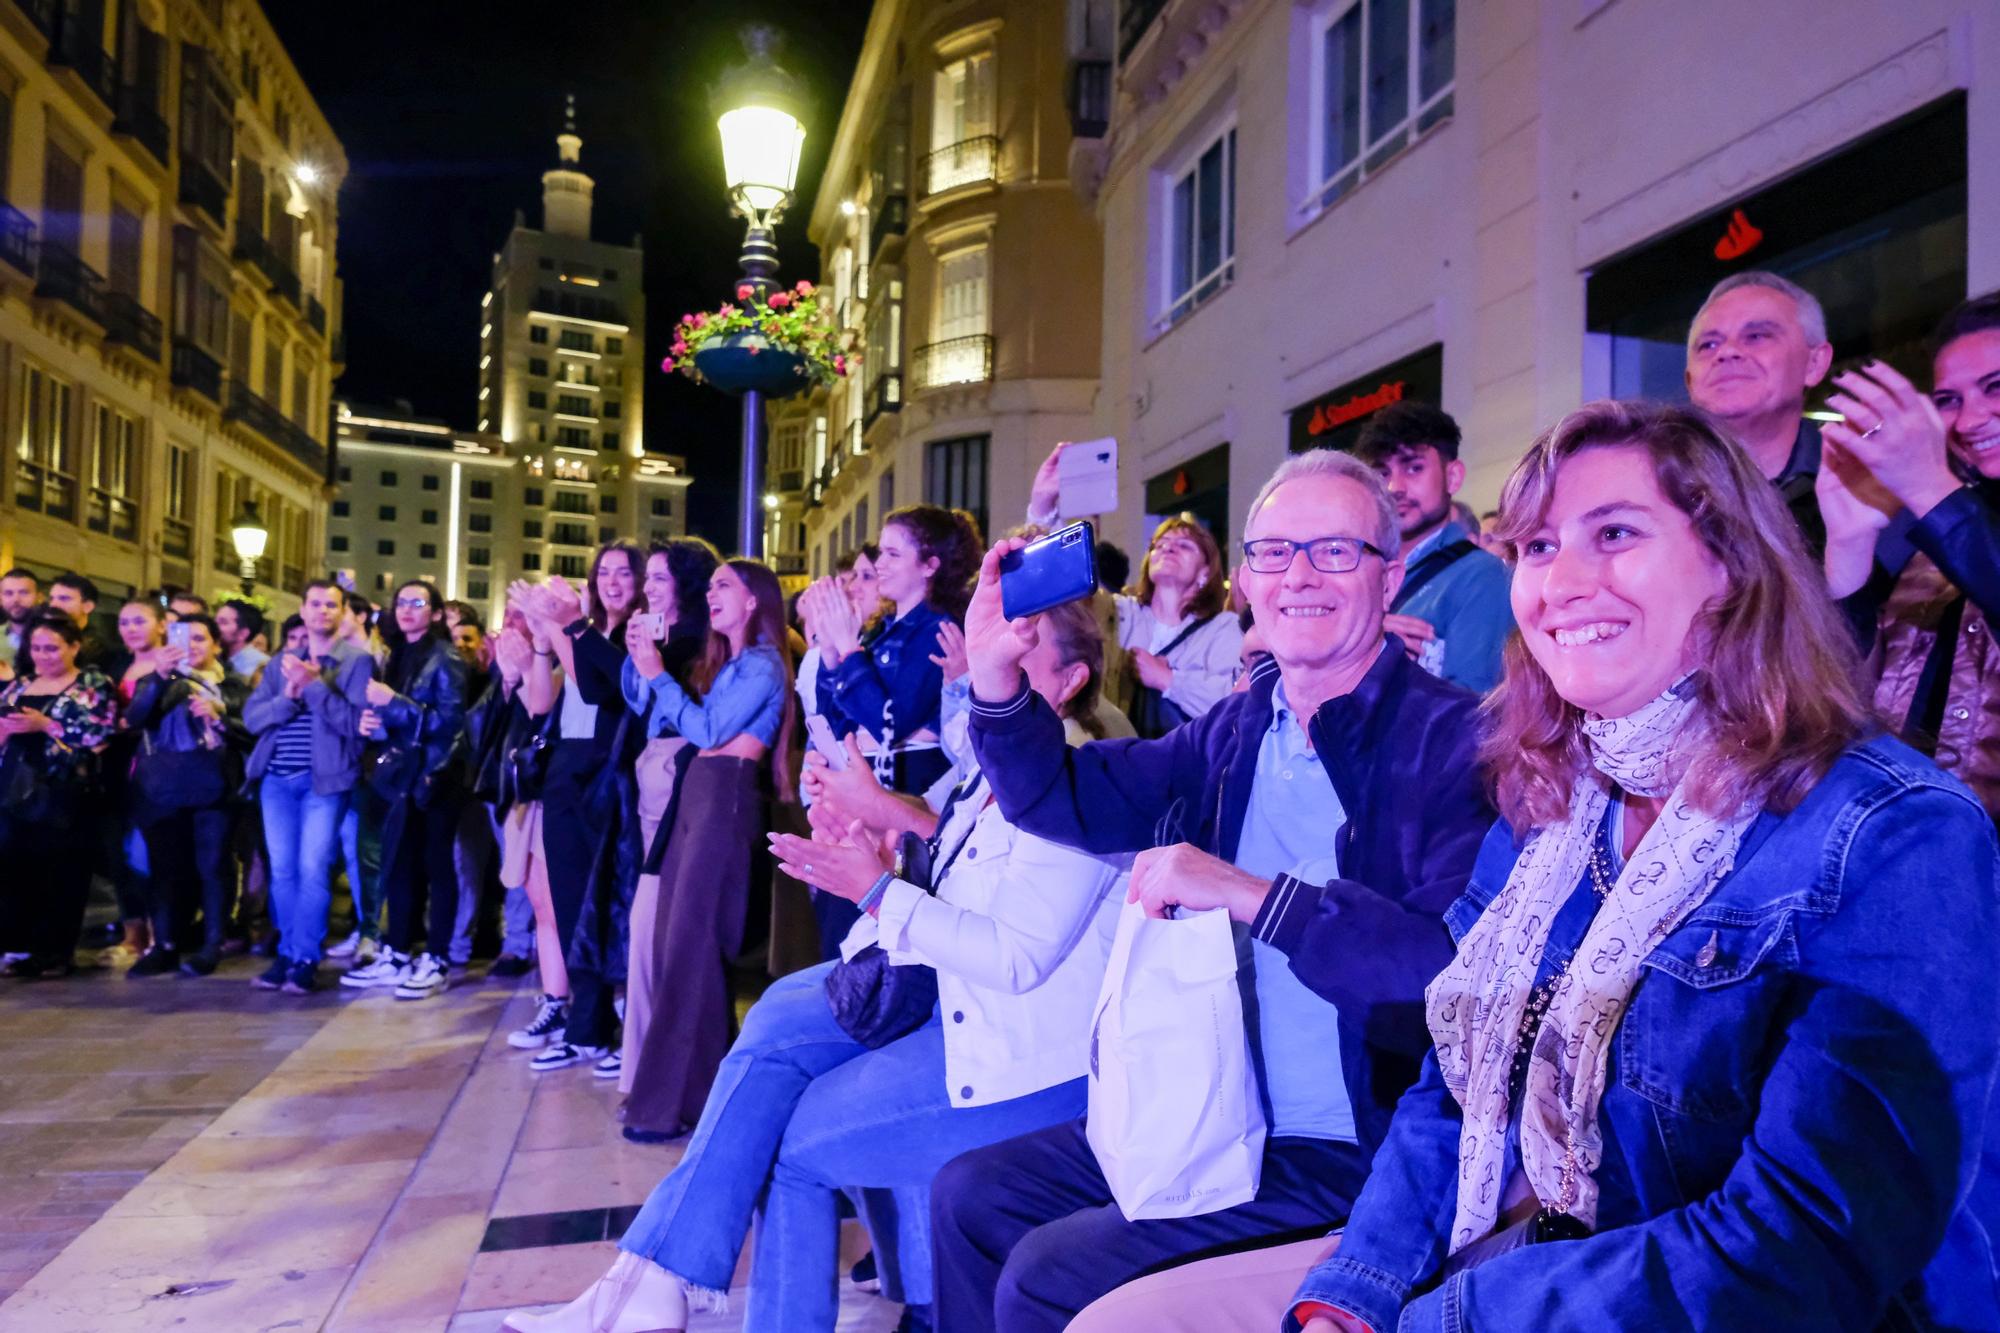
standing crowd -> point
(1605, 893)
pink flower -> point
(804, 288)
(744, 291)
(779, 300)
(667, 365)
(725, 312)
(840, 365)
(754, 349)
(699, 321)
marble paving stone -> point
(512, 1279)
(555, 1179)
(413, 1276)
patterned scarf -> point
(1475, 1006)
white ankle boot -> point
(636, 1296)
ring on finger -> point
(1870, 432)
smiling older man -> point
(1333, 808)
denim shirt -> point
(747, 697)
(1469, 604)
(890, 687)
(1796, 1103)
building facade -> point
(964, 267)
(169, 312)
(1312, 208)
(562, 364)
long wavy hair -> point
(1210, 597)
(598, 613)
(952, 537)
(1779, 691)
(690, 562)
(767, 629)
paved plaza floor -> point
(193, 1154)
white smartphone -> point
(652, 624)
(1087, 477)
(823, 740)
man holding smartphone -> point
(306, 716)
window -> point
(573, 502)
(611, 440)
(431, 517)
(114, 475)
(575, 404)
(1369, 97)
(340, 509)
(547, 263)
(575, 437)
(538, 365)
(430, 482)
(482, 490)
(346, 473)
(478, 590)
(571, 566)
(385, 547)
(531, 561)
(532, 497)
(427, 551)
(127, 239)
(45, 464)
(962, 146)
(955, 475)
(611, 275)
(537, 400)
(537, 333)
(611, 407)
(479, 522)
(608, 505)
(478, 555)
(605, 536)
(531, 529)
(388, 479)
(386, 513)
(960, 352)
(886, 493)
(1201, 230)
(577, 340)
(337, 542)
(663, 506)
(614, 347)
(572, 534)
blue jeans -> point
(366, 888)
(800, 1109)
(300, 827)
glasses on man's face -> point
(1329, 555)
(413, 604)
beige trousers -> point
(1238, 1293)
(655, 773)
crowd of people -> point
(1612, 880)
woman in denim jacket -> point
(1718, 1043)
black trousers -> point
(571, 828)
(1024, 1234)
(43, 889)
(192, 875)
(417, 863)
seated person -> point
(1764, 1102)
(1018, 932)
(1334, 808)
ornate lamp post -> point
(249, 536)
(758, 111)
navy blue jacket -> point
(890, 688)
(1400, 751)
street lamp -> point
(758, 111)
(249, 536)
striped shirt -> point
(293, 752)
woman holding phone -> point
(737, 708)
(1183, 644)
(142, 629)
(188, 713)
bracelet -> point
(544, 652)
(873, 898)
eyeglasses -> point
(1329, 555)
(413, 603)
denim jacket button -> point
(958, 1016)
(965, 1093)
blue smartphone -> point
(1049, 571)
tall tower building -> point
(562, 365)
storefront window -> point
(1334, 420)
(1198, 488)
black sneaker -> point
(916, 1319)
(199, 963)
(509, 965)
(302, 979)
(155, 962)
(272, 977)
(863, 1274)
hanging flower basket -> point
(777, 346)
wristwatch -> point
(575, 629)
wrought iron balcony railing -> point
(129, 323)
(17, 239)
(954, 361)
(1089, 98)
(201, 188)
(138, 118)
(967, 162)
(66, 278)
(195, 369)
(268, 421)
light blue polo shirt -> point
(1289, 829)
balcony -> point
(255, 250)
(570, 305)
(266, 420)
(74, 45)
(197, 370)
(17, 239)
(116, 516)
(885, 394)
(43, 490)
(1134, 18)
(1089, 98)
(953, 361)
(789, 563)
(43, 14)
(63, 277)
(201, 188)
(138, 118)
(316, 315)
(968, 162)
(892, 218)
(791, 481)
(853, 439)
(849, 314)
(130, 324)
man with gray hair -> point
(1756, 348)
(1332, 808)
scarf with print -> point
(1476, 1005)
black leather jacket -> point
(428, 713)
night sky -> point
(449, 113)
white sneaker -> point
(346, 948)
(611, 1066)
(426, 975)
(386, 970)
(636, 1296)
(562, 1055)
(367, 951)
(551, 1017)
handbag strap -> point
(1428, 568)
(963, 791)
(1187, 631)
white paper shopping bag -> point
(1175, 1121)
